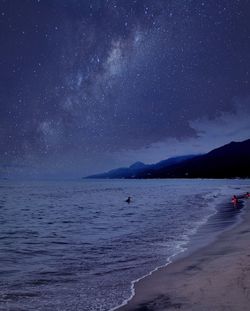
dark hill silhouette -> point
(139, 169)
(122, 172)
(229, 161)
(137, 166)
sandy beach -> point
(214, 278)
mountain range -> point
(229, 161)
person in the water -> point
(234, 200)
(128, 200)
(247, 195)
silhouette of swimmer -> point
(128, 200)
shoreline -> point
(186, 282)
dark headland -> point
(229, 161)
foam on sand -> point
(215, 277)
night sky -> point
(87, 86)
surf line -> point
(181, 248)
(169, 261)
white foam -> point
(210, 201)
(169, 261)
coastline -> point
(214, 277)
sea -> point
(79, 246)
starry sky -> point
(90, 85)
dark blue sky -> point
(91, 85)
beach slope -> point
(216, 277)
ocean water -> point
(78, 245)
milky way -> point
(86, 85)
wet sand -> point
(214, 278)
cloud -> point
(228, 126)
(210, 134)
